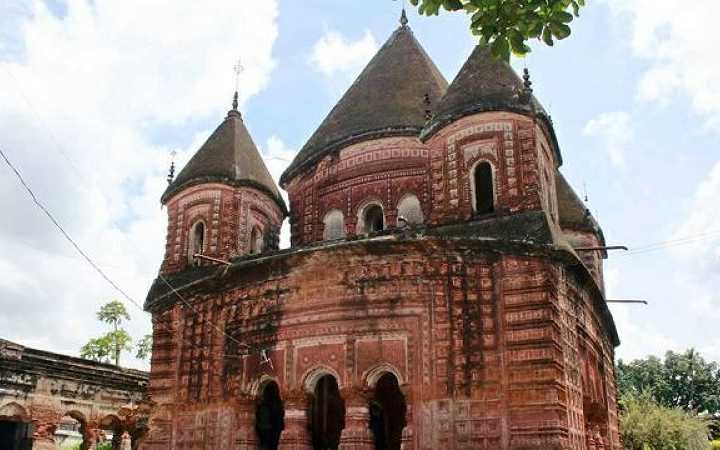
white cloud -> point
(84, 100)
(334, 53)
(678, 41)
(278, 157)
(615, 129)
(697, 247)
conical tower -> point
(387, 99)
(223, 203)
(494, 148)
(371, 133)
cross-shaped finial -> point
(238, 69)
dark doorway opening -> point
(327, 414)
(15, 435)
(484, 195)
(270, 417)
(387, 413)
(374, 219)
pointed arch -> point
(409, 208)
(482, 187)
(197, 240)
(257, 240)
(334, 225)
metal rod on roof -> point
(644, 302)
(609, 247)
(210, 258)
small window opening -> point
(197, 242)
(484, 195)
(374, 219)
(256, 241)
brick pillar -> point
(91, 436)
(356, 435)
(44, 435)
(246, 436)
(407, 441)
(296, 435)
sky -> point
(95, 94)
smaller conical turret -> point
(228, 156)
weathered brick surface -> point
(40, 388)
(494, 346)
(495, 351)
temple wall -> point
(491, 351)
(228, 214)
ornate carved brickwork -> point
(228, 213)
(482, 343)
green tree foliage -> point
(681, 380)
(508, 25)
(144, 347)
(646, 425)
(108, 347)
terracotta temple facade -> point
(438, 294)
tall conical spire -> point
(228, 156)
(403, 18)
(387, 99)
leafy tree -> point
(681, 380)
(113, 343)
(144, 347)
(97, 349)
(507, 25)
(646, 425)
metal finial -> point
(171, 173)
(526, 80)
(428, 104)
(403, 18)
(238, 69)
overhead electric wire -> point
(36, 201)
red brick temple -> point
(438, 294)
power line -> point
(90, 261)
(50, 216)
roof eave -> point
(173, 189)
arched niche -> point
(482, 187)
(197, 241)
(410, 210)
(257, 240)
(334, 225)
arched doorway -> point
(269, 417)
(387, 413)
(70, 432)
(15, 428)
(327, 414)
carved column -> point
(356, 435)
(296, 435)
(44, 435)
(246, 436)
(406, 441)
(91, 436)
